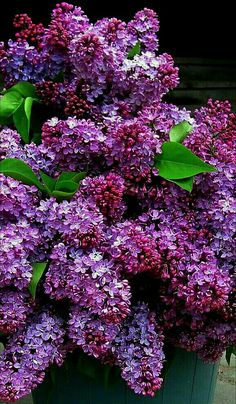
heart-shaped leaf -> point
(21, 122)
(185, 183)
(20, 171)
(66, 186)
(9, 103)
(21, 118)
(48, 181)
(38, 271)
(136, 50)
(72, 175)
(61, 195)
(24, 88)
(180, 131)
(28, 108)
(178, 162)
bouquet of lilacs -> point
(117, 210)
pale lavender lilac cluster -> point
(134, 261)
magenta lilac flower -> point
(108, 194)
(134, 249)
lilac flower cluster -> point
(79, 222)
(28, 353)
(133, 248)
(107, 191)
(91, 333)
(18, 243)
(73, 143)
(16, 199)
(138, 349)
(15, 306)
(133, 261)
(88, 280)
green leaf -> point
(38, 271)
(9, 103)
(65, 190)
(20, 171)
(6, 121)
(21, 118)
(66, 186)
(28, 108)
(36, 138)
(185, 183)
(21, 122)
(72, 175)
(230, 351)
(24, 88)
(49, 182)
(136, 50)
(180, 131)
(178, 162)
(61, 195)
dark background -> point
(194, 28)
(199, 34)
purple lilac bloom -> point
(74, 143)
(37, 157)
(17, 200)
(15, 307)
(9, 142)
(143, 28)
(28, 353)
(216, 202)
(146, 78)
(126, 235)
(107, 191)
(88, 280)
(133, 248)
(206, 336)
(132, 147)
(90, 332)
(161, 117)
(138, 350)
(79, 222)
(18, 245)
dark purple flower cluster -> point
(107, 191)
(133, 248)
(133, 260)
